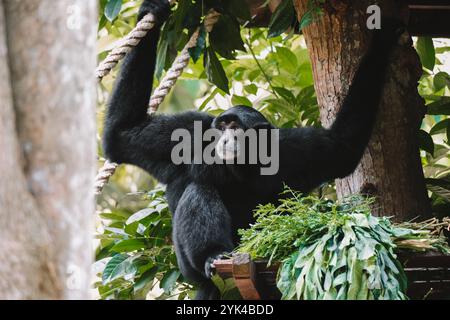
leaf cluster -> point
(137, 254)
(333, 250)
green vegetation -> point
(334, 250)
(141, 253)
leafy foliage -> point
(282, 19)
(434, 135)
(112, 9)
(332, 250)
(137, 253)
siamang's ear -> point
(263, 125)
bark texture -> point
(391, 168)
(47, 138)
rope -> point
(126, 45)
(103, 176)
(167, 83)
(180, 63)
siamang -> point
(211, 202)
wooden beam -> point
(243, 270)
(428, 3)
(244, 277)
(428, 275)
(431, 22)
(427, 17)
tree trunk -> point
(391, 168)
(47, 143)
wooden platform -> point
(428, 275)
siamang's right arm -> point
(310, 156)
(131, 135)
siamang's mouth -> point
(227, 153)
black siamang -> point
(210, 202)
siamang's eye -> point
(222, 126)
(233, 125)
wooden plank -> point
(432, 22)
(224, 268)
(244, 277)
(424, 260)
(428, 275)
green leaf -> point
(439, 107)
(145, 279)
(215, 72)
(219, 283)
(161, 54)
(115, 268)
(356, 280)
(196, 51)
(306, 19)
(425, 49)
(426, 142)
(286, 94)
(254, 74)
(102, 23)
(112, 9)
(288, 58)
(251, 89)
(140, 215)
(440, 127)
(441, 80)
(178, 18)
(282, 19)
(240, 101)
(209, 99)
(169, 280)
(225, 37)
(441, 187)
(129, 245)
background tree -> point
(47, 130)
(391, 168)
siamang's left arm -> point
(310, 156)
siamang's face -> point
(228, 147)
(234, 124)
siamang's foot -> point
(159, 8)
(209, 264)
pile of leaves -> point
(332, 250)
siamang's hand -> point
(159, 8)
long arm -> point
(313, 156)
(131, 135)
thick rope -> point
(126, 45)
(103, 176)
(180, 63)
(166, 84)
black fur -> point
(211, 202)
